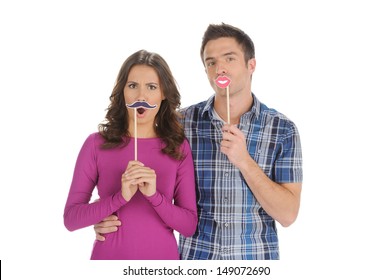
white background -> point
(324, 64)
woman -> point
(152, 195)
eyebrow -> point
(224, 55)
(152, 83)
(148, 83)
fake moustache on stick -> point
(135, 106)
(141, 104)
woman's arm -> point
(182, 215)
(78, 212)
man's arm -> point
(280, 201)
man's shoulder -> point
(201, 104)
(193, 108)
(274, 117)
(272, 113)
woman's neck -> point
(142, 131)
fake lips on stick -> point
(222, 81)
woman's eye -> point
(132, 86)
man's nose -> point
(221, 69)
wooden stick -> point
(228, 114)
(135, 133)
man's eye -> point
(210, 64)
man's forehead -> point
(221, 47)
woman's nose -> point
(141, 94)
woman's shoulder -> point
(95, 139)
(185, 147)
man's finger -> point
(99, 237)
(111, 218)
(103, 230)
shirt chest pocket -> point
(265, 154)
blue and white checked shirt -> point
(232, 224)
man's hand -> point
(234, 145)
(108, 225)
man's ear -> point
(251, 65)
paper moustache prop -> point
(141, 104)
(223, 82)
(138, 106)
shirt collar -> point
(208, 108)
(255, 108)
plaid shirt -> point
(232, 224)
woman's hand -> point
(138, 176)
(129, 188)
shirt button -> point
(226, 174)
(226, 225)
(225, 200)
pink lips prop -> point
(222, 81)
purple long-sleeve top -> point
(147, 223)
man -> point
(248, 168)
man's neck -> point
(238, 106)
